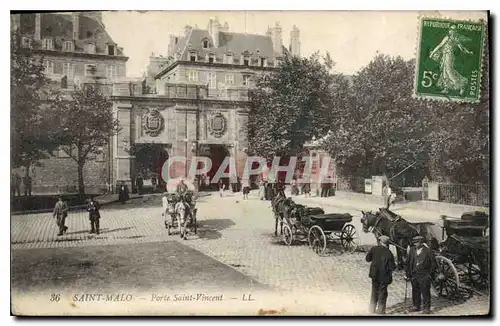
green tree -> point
(381, 129)
(293, 104)
(29, 90)
(85, 123)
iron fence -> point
(473, 195)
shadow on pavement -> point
(437, 304)
(209, 229)
(104, 231)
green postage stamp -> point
(449, 59)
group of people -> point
(419, 268)
(16, 182)
(60, 213)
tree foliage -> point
(291, 105)
(383, 130)
(84, 124)
(30, 121)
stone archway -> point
(149, 160)
(217, 154)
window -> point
(90, 48)
(205, 44)
(246, 61)
(68, 69)
(89, 34)
(246, 80)
(49, 67)
(229, 59)
(67, 46)
(111, 50)
(192, 56)
(211, 58)
(229, 79)
(90, 70)
(193, 76)
(47, 44)
(111, 71)
(26, 42)
(262, 62)
(212, 82)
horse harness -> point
(375, 230)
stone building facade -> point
(191, 102)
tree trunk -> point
(81, 184)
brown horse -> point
(400, 231)
(282, 207)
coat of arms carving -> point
(217, 125)
(153, 122)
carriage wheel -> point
(349, 238)
(317, 239)
(446, 281)
(478, 271)
(287, 235)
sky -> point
(352, 37)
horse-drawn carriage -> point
(462, 254)
(302, 223)
(179, 211)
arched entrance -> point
(217, 154)
(149, 160)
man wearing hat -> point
(381, 268)
(421, 265)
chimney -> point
(214, 28)
(295, 41)
(38, 27)
(277, 38)
(15, 22)
(76, 26)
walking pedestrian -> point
(421, 265)
(262, 189)
(94, 215)
(60, 213)
(381, 268)
(221, 186)
(307, 189)
(246, 188)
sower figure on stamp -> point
(60, 213)
(421, 265)
(381, 268)
(94, 215)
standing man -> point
(387, 192)
(139, 182)
(94, 215)
(60, 213)
(381, 268)
(419, 269)
(221, 186)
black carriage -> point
(463, 256)
(319, 228)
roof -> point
(236, 43)
(60, 28)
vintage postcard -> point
(250, 163)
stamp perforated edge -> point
(447, 99)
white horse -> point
(182, 214)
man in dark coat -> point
(60, 213)
(420, 267)
(94, 215)
(381, 268)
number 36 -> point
(427, 78)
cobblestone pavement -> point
(239, 233)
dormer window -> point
(262, 62)
(192, 56)
(228, 59)
(210, 58)
(90, 48)
(205, 44)
(48, 44)
(277, 62)
(67, 46)
(246, 61)
(111, 49)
